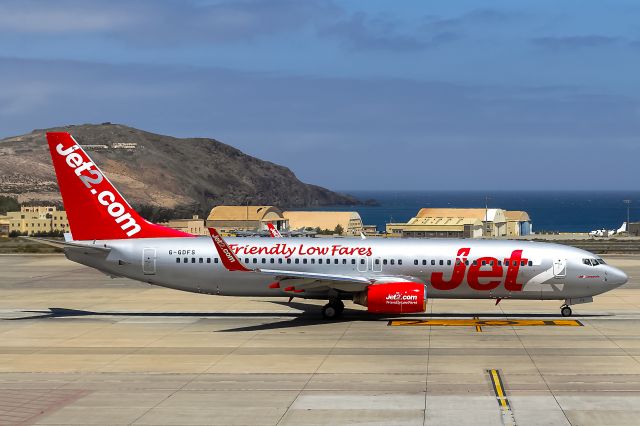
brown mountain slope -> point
(159, 170)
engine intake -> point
(393, 298)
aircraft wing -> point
(86, 248)
(304, 280)
(348, 283)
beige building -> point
(34, 219)
(194, 226)
(246, 218)
(452, 223)
(518, 223)
(4, 226)
(351, 222)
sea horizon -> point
(550, 210)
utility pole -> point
(628, 203)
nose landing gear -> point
(565, 311)
(333, 309)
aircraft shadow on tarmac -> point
(309, 315)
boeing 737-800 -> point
(389, 276)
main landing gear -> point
(565, 311)
(333, 309)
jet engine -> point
(393, 298)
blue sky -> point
(366, 94)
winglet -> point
(273, 231)
(229, 259)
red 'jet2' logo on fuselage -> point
(480, 270)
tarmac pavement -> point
(79, 348)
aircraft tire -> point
(331, 311)
(565, 311)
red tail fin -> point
(229, 259)
(95, 209)
(273, 231)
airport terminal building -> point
(34, 219)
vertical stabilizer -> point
(95, 208)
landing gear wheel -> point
(338, 305)
(329, 311)
(565, 311)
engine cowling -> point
(394, 298)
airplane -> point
(273, 231)
(268, 233)
(387, 276)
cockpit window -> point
(601, 261)
(592, 262)
(586, 261)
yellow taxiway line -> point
(475, 322)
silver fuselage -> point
(550, 271)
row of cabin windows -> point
(353, 261)
(475, 262)
(199, 260)
(288, 261)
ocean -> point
(561, 211)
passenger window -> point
(215, 259)
(304, 261)
(530, 263)
(466, 262)
(320, 261)
(272, 260)
(377, 261)
(484, 262)
(441, 262)
(458, 262)
(384, 261)
(208, 260)
(415, 262)
(279, 260)
(186, 260)
(264, 260)
(255, 260)
(177, 260)
(344, 261)
(201, 260)
(475, 262)
(335, 261)
(353, 261)
(448, 262)
(246, 260)
(499, 262)
(523, 263)
(424, 262)
(391, 261)
(491, 262)
(362, 261)
(399, 261)
(433, 262)
(193, 260)
(297, 261)
(288, 260)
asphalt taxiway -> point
(79, 348)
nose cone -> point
(616, 277)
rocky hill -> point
(157, 170)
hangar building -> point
(462, 223)
(351, 222)
(518, 223)
(246, 218)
